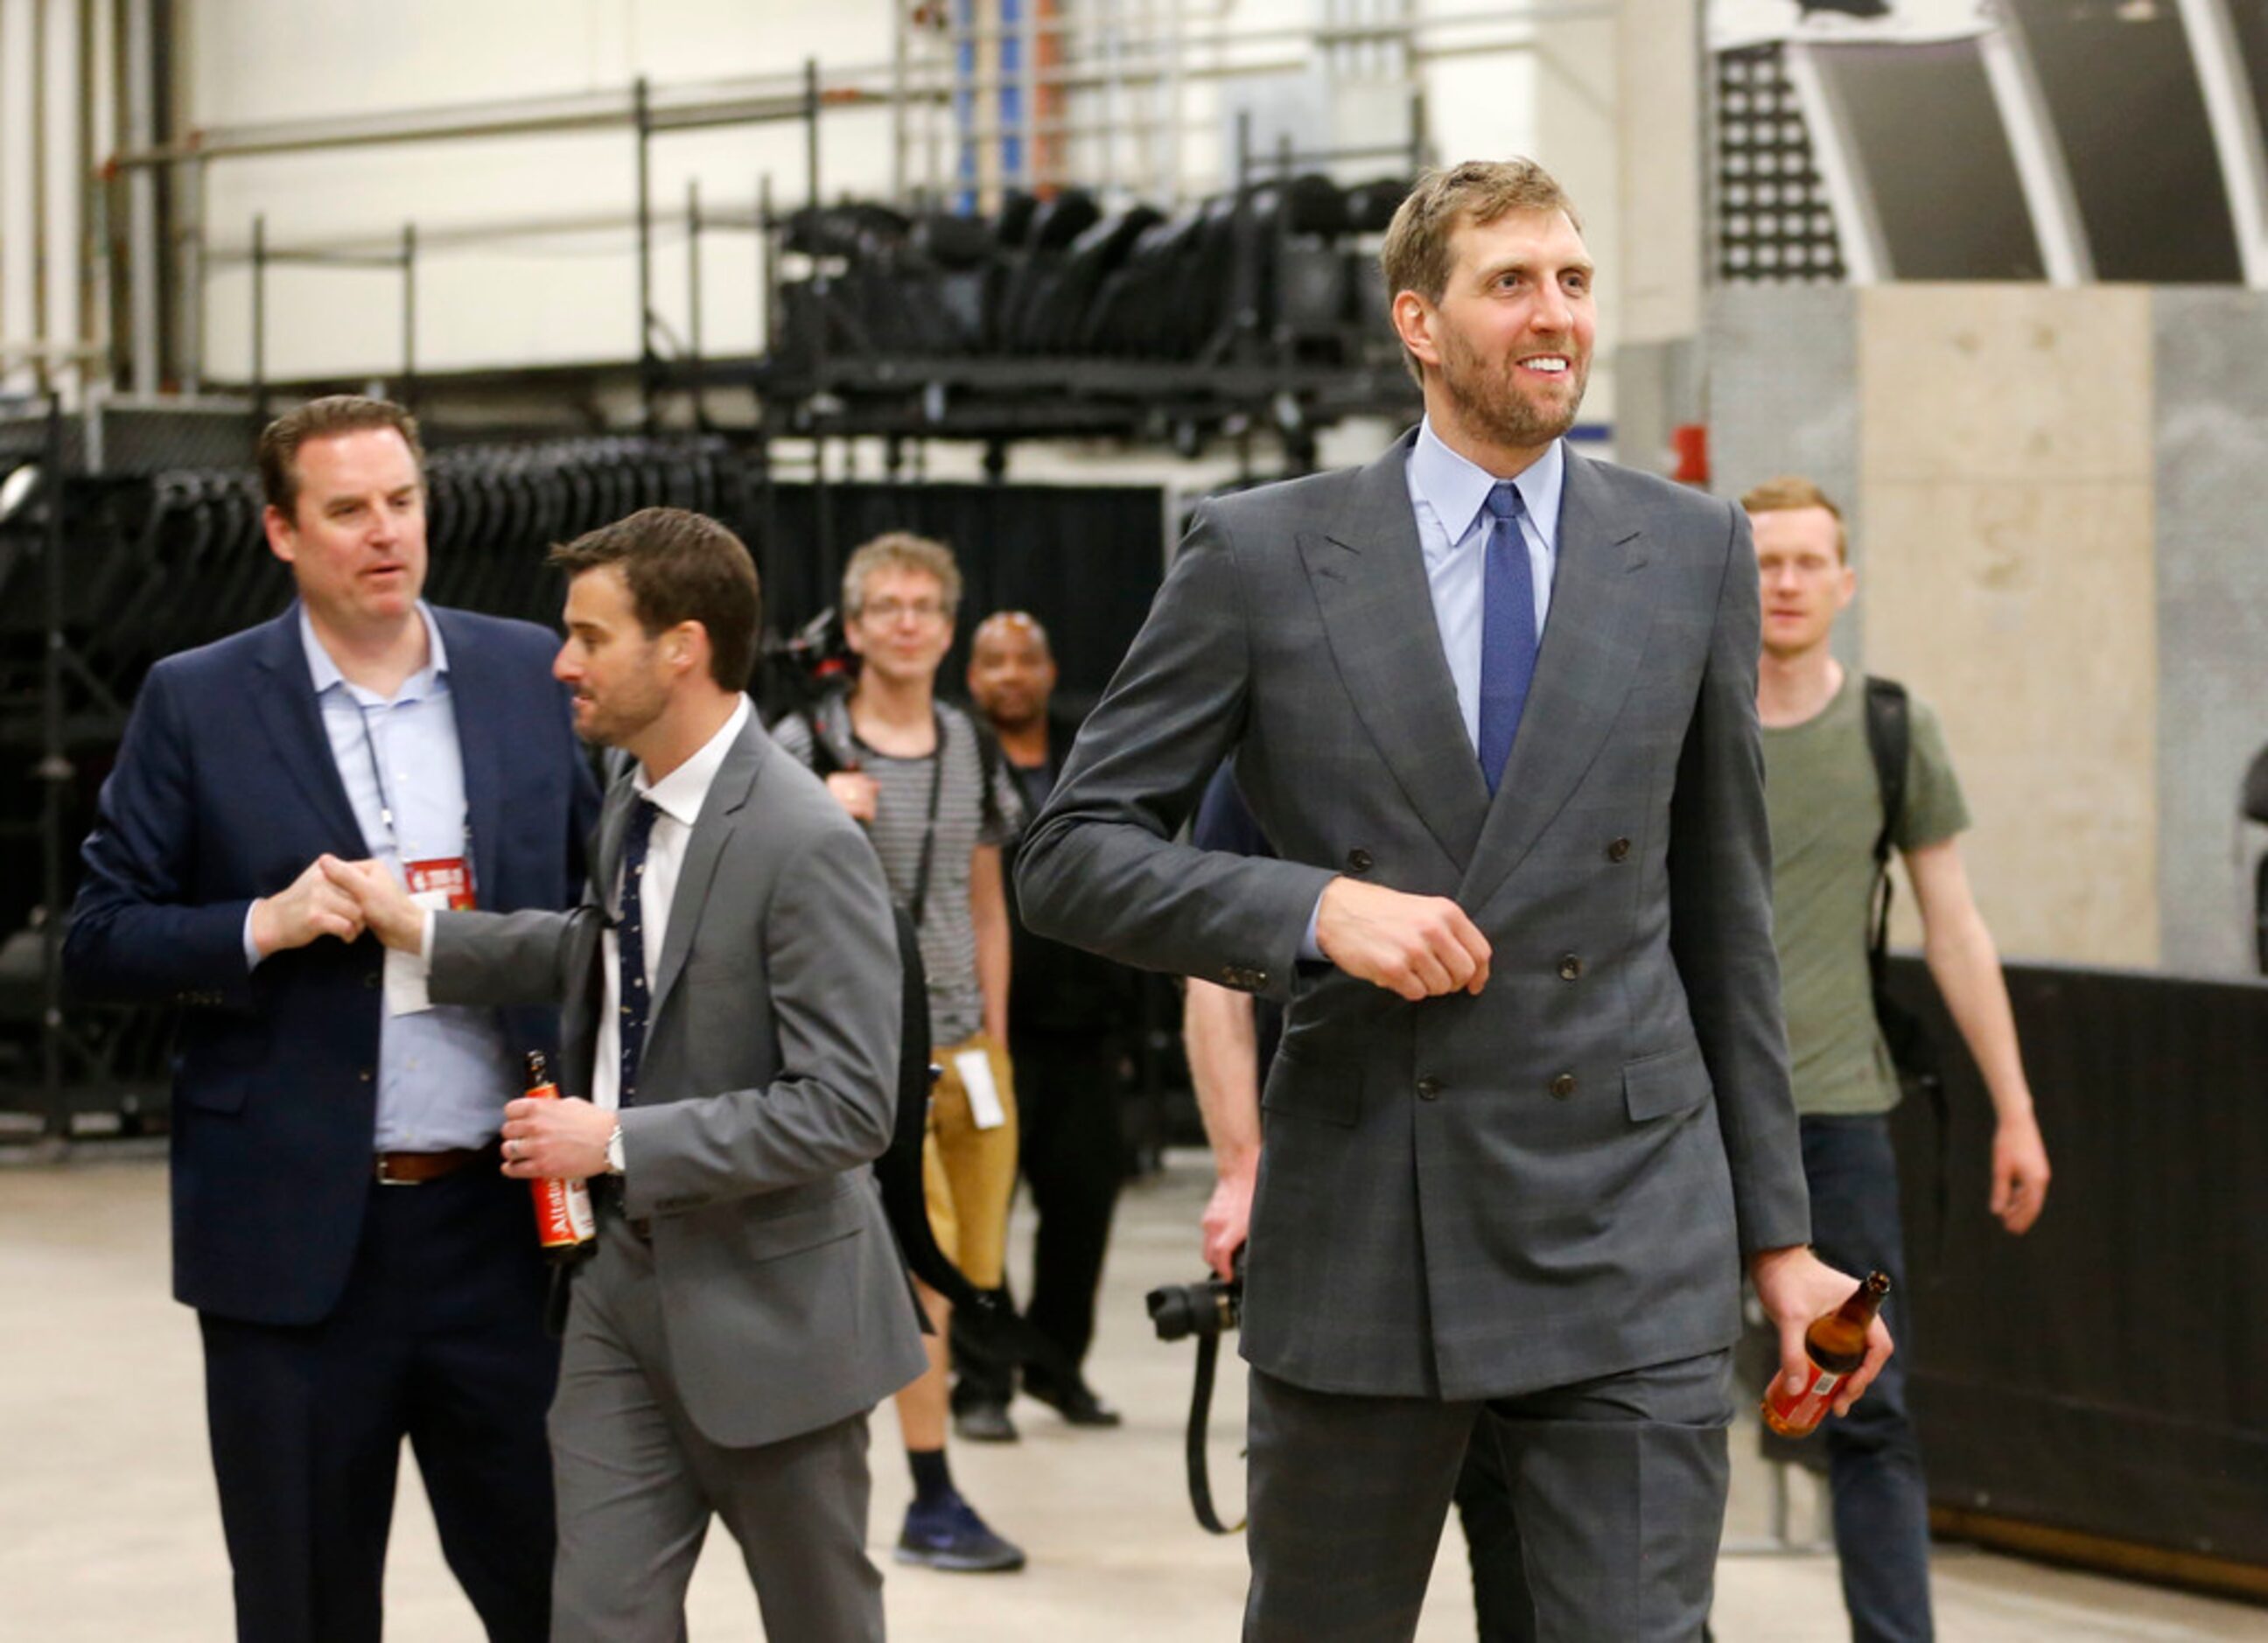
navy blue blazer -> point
(225, 789)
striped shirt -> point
(948, 937)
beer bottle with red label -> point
(1836, 1344)
(565, 1222)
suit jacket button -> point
(1563, 1086)
(372, 981)
(365, 1075)
(1429, 1088)
(1570, 966)
(1360, 861)
(1619, 851)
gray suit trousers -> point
(636, 1484)
(1617, 1483)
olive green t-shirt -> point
(1826, 808)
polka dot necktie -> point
(630, 941)
(1507, 632)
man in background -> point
(1826, 805)
(916, 773)
(360, 1271)
(1068, 1016)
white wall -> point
(541, 297)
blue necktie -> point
(630, 944)
(1507, 632)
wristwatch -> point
(615, 1151)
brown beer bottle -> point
(565, 1222)
(1836, 1343)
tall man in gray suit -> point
(731, 984)
(1494, 703)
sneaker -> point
(946, 1534)
(985, 1423)
(1076, 1402)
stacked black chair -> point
(1065, 278)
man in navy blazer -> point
(361, 1268)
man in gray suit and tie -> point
(732, 988)
(1495, 705)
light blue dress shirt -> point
(443, 1074)
(1446, 494)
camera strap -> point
(1200, 1415)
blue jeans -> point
(1873, 1460)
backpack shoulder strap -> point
(1889, 737)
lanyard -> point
(833, 735)
(378, 776)
(386, 801)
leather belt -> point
(414, 1169)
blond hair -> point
(899, 550)
(1791, 492)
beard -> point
(1490, 400)
(625, 711)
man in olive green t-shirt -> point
(1826, 809)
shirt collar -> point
(326, 674)
(1455, 487)
(680, 794)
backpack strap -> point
(1890, 737)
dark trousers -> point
(1617, 1485)
(1874, 1459)
(1504, 1609)
(1072, 1159)
(439, 1338)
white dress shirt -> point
(679, 797)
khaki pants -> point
(968, 1174)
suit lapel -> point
(711, 830)
(1595, 633)
(1593, 636)
(284, 702)
(477, 697)
(1368, 575)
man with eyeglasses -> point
(937, 807)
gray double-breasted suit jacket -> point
(1467, 1196)
(768, 1085)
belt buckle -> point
(385, 1179)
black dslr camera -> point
(1178, 1311)
(1207, 1311)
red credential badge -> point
(443, 884)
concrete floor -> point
(109, 1533)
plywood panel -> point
(2005, 382)
(2007, 481)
